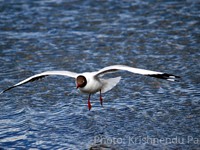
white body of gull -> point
(92, 82)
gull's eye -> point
(81, 81)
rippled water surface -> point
(140, 113)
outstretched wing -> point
(161, 75)
(42, 75)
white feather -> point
(108, 84)
(111, 69)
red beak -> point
(77, 86)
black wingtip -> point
(7, 89)
(166, 76)
(31, 80)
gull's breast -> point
(93, 86)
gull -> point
(92, 82)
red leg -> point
(101, 99)
(89, 104)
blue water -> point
(140, 113)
